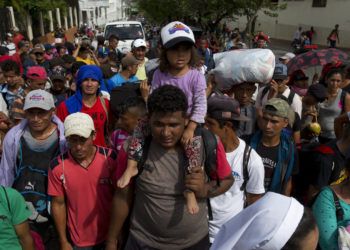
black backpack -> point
(289, 98)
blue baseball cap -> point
(281, 72)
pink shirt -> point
(88, 193)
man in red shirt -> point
(87, 99)
(80, 183)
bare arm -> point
(76, 52)
(23, 233)
(347, 103)
(93, 55)
(288, 189)
(196, 182)
(59, 214)
(121, 206)
(251, 198)
(296, 137)
(339, 123)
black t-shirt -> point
(296, 126)
(269, 157)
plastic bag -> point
(238, 66)
(343, 239)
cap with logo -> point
(139, 43)
(39, 99)
(277, 107)
(129, 60)
(281, 72)
(36, 72)
(80, 124)
(176, 32)
(225, 108)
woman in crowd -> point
(337, 102)
(330, 216)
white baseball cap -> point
(78, 124)
(176, 32)
(287, 56)
(39, 99)
(139, 43)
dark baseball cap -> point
(299, 75)
(318, 91)
(281, 72)
(222, 107)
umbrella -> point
(316, 58)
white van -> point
(127, 31)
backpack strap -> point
(145, 151)
(264, 92)
(103, 103)
(285, 164)
(342, 100)
(291, 97)
(338, 209)
(210, 145)
(246, 157)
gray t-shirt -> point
(160, 218)
(40, 145)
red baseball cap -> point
(36, 72)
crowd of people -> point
(106, 150)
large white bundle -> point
(237, 66)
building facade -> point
(323, 15)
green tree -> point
(205, 13)
(250, 9)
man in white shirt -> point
(223, 118)
(278, 86)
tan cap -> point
(129, 60)
(78, 124)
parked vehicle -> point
(126, 31)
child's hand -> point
(144, 89)
(187, 136)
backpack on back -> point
(210, 151)
(289, 98)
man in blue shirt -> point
(130, 66)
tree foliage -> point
(251, 9)
(208, 13)
(204, 13)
